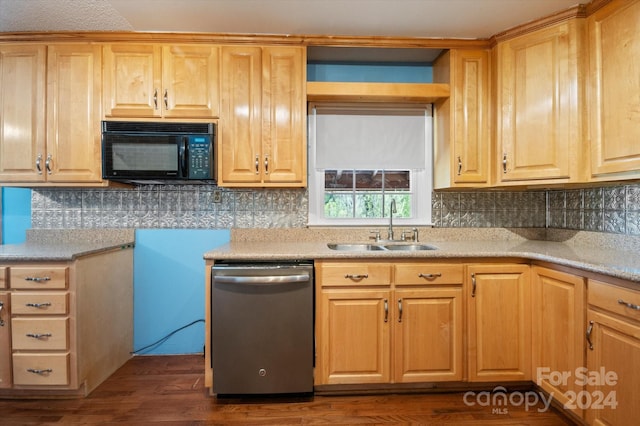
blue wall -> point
(169, 287)
(370, 72)
(16, 214)
(168, 277)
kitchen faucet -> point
(392, 210)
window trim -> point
(421, 181)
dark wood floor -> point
(169, 390)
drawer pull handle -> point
(386, 310)
(588, 335)
(356, 276)
(430, 276)
(37, 305)
(39, 335)
(629, 305)
(44, 372)
(1, 320)
(399, 310)
(473, 285)
(37, 279)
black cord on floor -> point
(165, 338)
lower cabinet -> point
(388, 323)
(613, 355)
(403, 321)
(70, 325)
(353, 336)
(499, 322)
(558, 300)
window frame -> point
(421, 180)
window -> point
(362, 157)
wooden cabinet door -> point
(353, 331)
(462, 144)
(132, 85)
(190, 80)
(73, 113)
(284, 99)
(613, 88)
(239, 153)
(538, 131)
(499, 327)
(558, 316)
(615, 350)
(5, 342)
(22, 112)
(428, 334)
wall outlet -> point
(217, 196)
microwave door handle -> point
(184, 157)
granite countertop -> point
(587, 253)
(65, 245)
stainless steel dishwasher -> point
(262, 328)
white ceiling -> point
(399, 18)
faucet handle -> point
(415, 234)
(376, 233)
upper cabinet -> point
(262, 137)
(538, 120)
(462, 144)
(152, 81)
(613, 90)
(57, 85)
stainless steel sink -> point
(378, 247)
(410, 247)
(355, 247)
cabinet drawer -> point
(353, 273)
(40, 303)
(425, 273)
(615, 299)
(39, 334)
(3, 277)
(38, 277)
(41, 369)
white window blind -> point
(370, 138)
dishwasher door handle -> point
(261, 280)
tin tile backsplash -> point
(611, 209)
(168, 206)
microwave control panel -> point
(200, 157)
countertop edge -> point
(619, 264)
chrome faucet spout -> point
(392, 210)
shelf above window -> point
(376, 92)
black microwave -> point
(158, 152)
